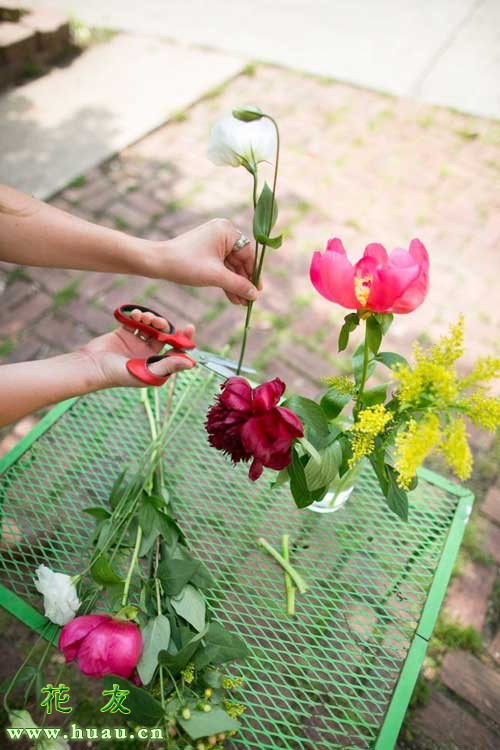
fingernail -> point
(252, 294)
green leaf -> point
(351, 322)
(391, 359)
(117, 490)
(170, 529)
(373, 334)
(313, 418)
(375, 395)
(148, 514)
(333, 402)
(100, 513)
(274, 242)
(222, 646)
(202, 724)
(191, 606)
(263, 220)
(397, 498)
(202, 577)
(175, 574)
(144, 709)
(298, 482)
(323, 473)
(155, 638)
(176, 662)
(102, 572)
(384, 320)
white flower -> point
(23, 720)
(234, 142)
(59, 595)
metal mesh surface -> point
(322, 679)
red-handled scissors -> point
(178, 342)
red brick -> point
(63, 333)
(473, 681)
(144, 203)
(32, 309)
(445, 722)
(177, 222)
(492, 539)
(123, 294)
(93, 318)
(52, 279)
(217, 332)
(122, 212)
(15, 294)
(468, 595)
(176, 301)
(491, 505)
(94, 285)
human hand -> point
(109, 353)
(204, 256)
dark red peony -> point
(247, 423)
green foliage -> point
(266, 213)
(351, 322)
(421, 693)
(78, 182)
(453, 635)
(65, 295)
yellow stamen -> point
(362, 286)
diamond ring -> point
(240, 243)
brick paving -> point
(356, 164)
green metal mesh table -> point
(337, 675)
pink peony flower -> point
(247, 423)
(102, 645)
(382, 283)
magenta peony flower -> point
(382, 283)
(102, 645)
(247, 423)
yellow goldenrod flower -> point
(369, 423)
(485, 369)
(233, 708)
(450, 347)
(342, 384)
(482, 410)
(188, 673)
(456, 449)
(413, 445)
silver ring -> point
(240, 243)
(141, 335)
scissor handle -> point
(139, 368)
(175, 339)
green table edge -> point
(403, 689)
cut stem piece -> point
(289, 587)
(296, 577)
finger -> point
(233, 298)
(189, 330)
(147, 318)
(170, 364)
(244, 258)
(136, 315)
(160, 323)
(234, 283)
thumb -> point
(171, 363)
(233, 283)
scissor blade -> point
(209, 359)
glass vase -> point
(339, 491)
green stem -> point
(296, 577)
(364, 373)
(259, 261)
(133, 563)
(289, 587)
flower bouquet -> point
(137, 614)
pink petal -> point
(75, 630)
(332, 274)
(236, 394)
(391, 281)
(267, 395)
(415, 294)
(112, 648)
(377, 251)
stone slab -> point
(491, 505)
(444, 722)
(473, 681)
(57, 127)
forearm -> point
(35, 234)
(28, 386)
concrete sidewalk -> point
(444, 52)
(59, 126)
